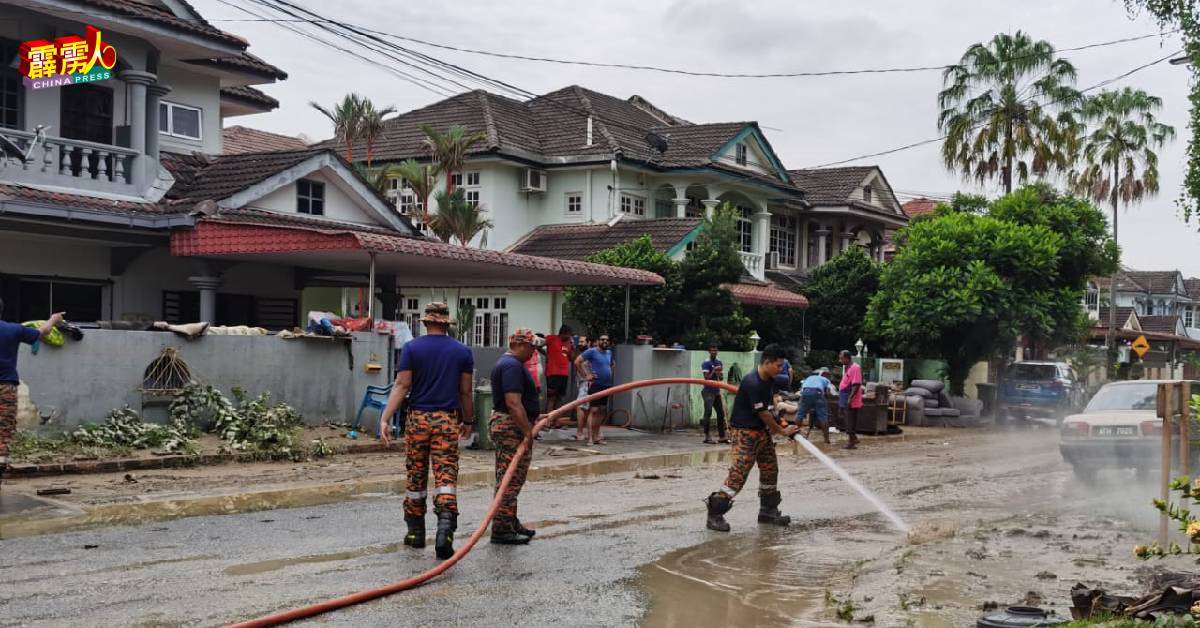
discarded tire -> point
(1021, 616)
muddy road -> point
(998, 519)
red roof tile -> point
(241, 139)
(919, 207)
(751, 294)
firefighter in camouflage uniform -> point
(514, 411)
(436, 373)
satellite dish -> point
(657, 142)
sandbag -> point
(932, 385)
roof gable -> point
(763, 158)
(577, 242)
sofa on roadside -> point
(928, 405)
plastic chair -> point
(375, 397)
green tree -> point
(1183, 15)
(962, 287)
(998, 110)
(371, 125)
(839, 293)
(601, 309)
(421, 178)
(714, 315)
(450, 148)
(1120, 164)
(347, 117)
(456, 219)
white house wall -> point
(339, 205)
(199, 91)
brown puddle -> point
(35, 517)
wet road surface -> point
(623, 547)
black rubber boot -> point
(521, 529)
(505, 533)
(416, 532)
(768, 509)
(443, 544)
(718, 505)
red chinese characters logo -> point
(67, 56)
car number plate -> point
(1116, 431)
(1028, 387)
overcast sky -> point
(809, 121)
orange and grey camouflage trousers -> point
(507, 437)
(431, 437)
(8, 418)
(752, 447)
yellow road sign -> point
(1141, 346)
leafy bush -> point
(124, 428)
(250, 424)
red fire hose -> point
(408, 583)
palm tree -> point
(1119, 160)
(997, 110)
(347, 117)
(450, 148)
(377, 179)
(459, 220)
(371, 124)
(421, 179)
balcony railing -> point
(60, 162)
(753, 263)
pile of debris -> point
(1089, 603)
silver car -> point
(1119, 429)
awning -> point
(415, 262)
(750, 294)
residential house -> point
(567, 163)
(1151, 293)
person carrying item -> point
(751, 427)
(12, 335)
(713, 369)
(439, 372)
(514, 410)
(850, 396)
(596, 365)
(812, 403)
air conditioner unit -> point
(533, 180)
(773, 260)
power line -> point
(975, 126)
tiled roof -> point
(1123, 314)
(554, 126)
(751, 294)
(830, 186)
(1159, 324)
(245, 62)
(1193, 287)
(1124, 283)
(241, 139)
(260, 217)
(250, 95)
(198, 177)
(13, 192)
(919, 207)
(160, 15)
(219, 235)
(1155, 281)
(577, 242)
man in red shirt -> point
(850, 396)
(560, 351)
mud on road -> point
(997, 517)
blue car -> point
(1049, 390)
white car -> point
(1119, 429)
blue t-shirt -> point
(600, 363)
(509, 376)
(437, 363)
(784, 378)
(11, 337)
(815, 382)
(709, 365)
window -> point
(1092, 299)
(574, 203)
(410, 312)
(11, 91)
(406, 198)
(783, 238)
(471, 188)
(82, 300)
(664, 208)
(179, 120)
(867, 193)
(491, 321)
(635, 205)
(232, 309)
(745, 229)
(310, 197)
(740, 153)
(1188, 316)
